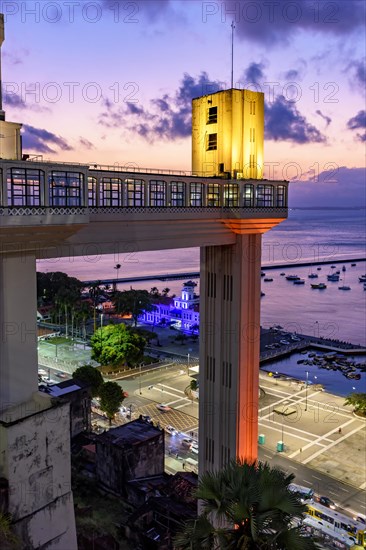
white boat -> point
(334, 277)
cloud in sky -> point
(358, 122)
(168, 117)
(357, 69)
(343, 187)
(16, 102)
(254, 74)
(86, 144)
(327, 119)
(283, 122)
(274, 23)
(39, 140)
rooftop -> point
(131, 433)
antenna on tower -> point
(232, 54)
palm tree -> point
(165, 291)
(95, 293)
(117, 267)
(246, 506)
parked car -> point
(163, 407)
(284, 342)
(146, 417)
(326, 501)
(187, 443)
(171, 430)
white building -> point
(182, 312)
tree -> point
(133, 302)
(89, 375)
(117, 345)
(181, 338)
(111, 398)
(246, 506)
(95, 293)
(358, 402)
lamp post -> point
(140, 365)
(306, 390)
(188, 363)
(283, 416)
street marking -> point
(169, 388)
(322, 437)
(363, 486)
(267, 456)
(316, 477)
(346, 436)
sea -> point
(308, 235)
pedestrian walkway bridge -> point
(82, 205)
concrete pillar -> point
(229, 351)
(34, 429)
(18, 326)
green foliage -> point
(111, 398)
(89, 375)
(117, 345)
(133, 302)
(8, 540)
(53, 286)
(245, 507)
(358, 401)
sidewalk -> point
(315, 427)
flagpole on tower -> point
(232, 54)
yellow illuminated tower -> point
(228, 134)
(10, 140)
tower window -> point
(212, 115)
(252, 107)
(211, 142)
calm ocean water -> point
(307, 235)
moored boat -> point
(293, 277)
(320, 286)
(299, 282)
(268, 279)
(344, 287)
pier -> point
(196, 274)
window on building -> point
(211, 142)
(195, 194)
(212, 115)
(135, 192)
(111, 192)
(177, 193)
(252, 135)
(66, 188)
(24, 186)
(252, 107)
(281, 196)
(92, 191)
(231, 194)
(248, 198)
(213, 194)
(157, 193)
(264, 195)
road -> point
(310, 436)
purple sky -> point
(112, 81)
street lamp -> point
(306, 390)
(140, 365)
(283, 415)
(188, 363)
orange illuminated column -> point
(229, 351)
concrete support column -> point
(229, 351)
(18, 329)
